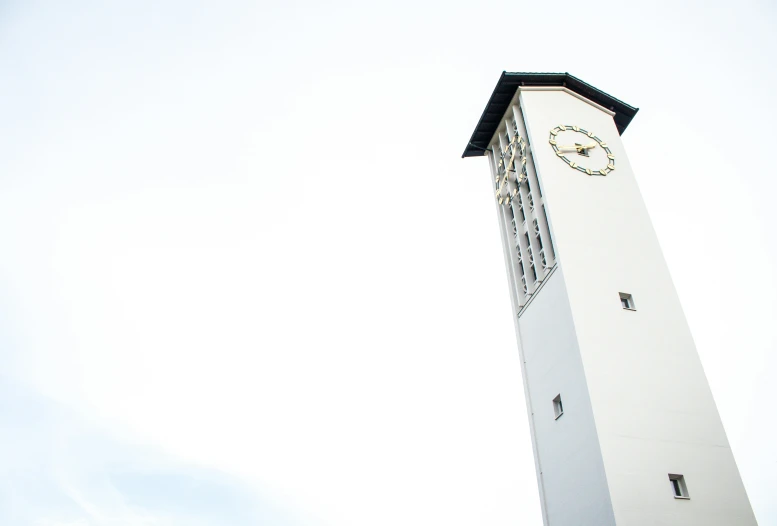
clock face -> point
(582, 150)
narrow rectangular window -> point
(627, 301)
(494, 158)
(558, 408)
(678, 491)
(679, 488)
(545, 216)
(509, 213)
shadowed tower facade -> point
(624, 427)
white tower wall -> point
(637, 406)
(573, 479)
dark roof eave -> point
(505, 91)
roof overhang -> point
(505, 91)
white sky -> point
(246, 277)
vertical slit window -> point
(558, 408)
(545, 217)
(523, 278)
(537, 235)
(495, 160)
(679, 488)
(627, 301)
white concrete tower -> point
(624, 427)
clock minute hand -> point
(576, 148)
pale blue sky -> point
(59, 469)
(247, 279)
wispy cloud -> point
(57, 470)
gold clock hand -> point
(581, 147)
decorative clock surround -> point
(516, 149)
(581, 150)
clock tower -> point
(624, 427)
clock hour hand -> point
(577, 147)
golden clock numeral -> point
(573, 164)
(562, 128)
(591, 134)
(611, 167)
(577, 129)
(588, 171)
(552, 142)
(610, 156)
(603, 144)
(560, 154)
(603, 171)
(553, 132)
